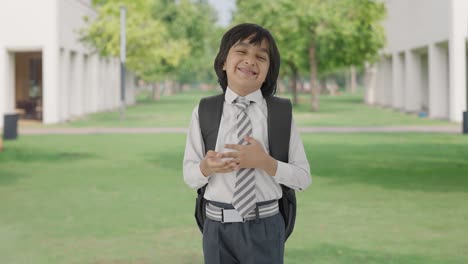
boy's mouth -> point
(247, 71)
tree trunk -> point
(370, 82)
(168, 87)
(156, 91)
(348, 81)
(314, 87)
(353, 80)
(294, 77)
(178, 87)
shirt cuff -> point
(282, 170)
(200, 177)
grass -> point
(375, 198)
(175, 111)
(349, 110)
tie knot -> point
(242, 103)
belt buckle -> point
(231, 216)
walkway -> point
(143, 130)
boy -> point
(242, 180)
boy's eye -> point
(261, 58)
(241, 51)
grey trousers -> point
(258, 241)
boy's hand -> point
(213, 163)
(251, 156)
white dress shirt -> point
(295, 174)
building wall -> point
(415, 23)
(427, 40)
(76, 81)
(25, 25)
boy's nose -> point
(249, 61)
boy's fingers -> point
(233, 146)
(211, 154)
(229, 155)
(215, 163)
(249, 139)
(228, 166)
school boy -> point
(242, 180)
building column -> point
(413, 87)
(398, 81)
(94, 81)
(51, 90)
(64, 85)
(72, 85)
(438, 82)
(457, 60)
(380, 82)
(7, 83)
(3, 82)
(388, 82)
(424, 81)
(78, 85)
(85, 91)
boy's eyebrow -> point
(243, 44)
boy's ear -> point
(224, 66)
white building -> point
(46, 73)
(423, 67)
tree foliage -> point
(319, 36)
(164, 37)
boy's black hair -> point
(258, 34)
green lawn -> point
(375, 198)
(175, 111)
(349, 110)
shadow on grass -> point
(166, 159)
(423, 167)
(14, 154)
(327, 253)
(8, 176)
(19, 156)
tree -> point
(333, 33)
(195, 22)
(276, 17)
(151, 50)
(167, 39)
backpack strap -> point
(279, 127)
(279, 134)
(210, 111)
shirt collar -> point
(256, 96)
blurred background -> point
(93, 138)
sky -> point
(224, 8)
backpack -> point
(210, 111)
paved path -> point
(143, 130)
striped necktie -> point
(244, 200)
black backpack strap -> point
(279, 134)
(210, 111)
(279, 127)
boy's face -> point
(247, 66)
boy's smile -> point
(247, 66)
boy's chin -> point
(245, 89)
